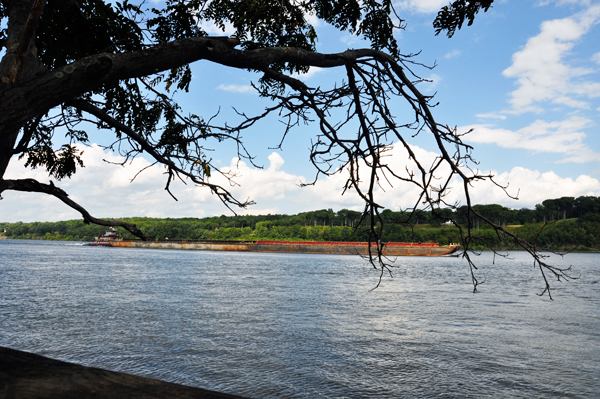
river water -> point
(306, 326)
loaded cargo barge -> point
(303, 247)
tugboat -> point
(105, 239)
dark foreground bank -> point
(29, 376)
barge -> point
(302, 247)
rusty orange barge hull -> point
(303, 247)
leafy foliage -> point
(59, 164)
(451, 17)
(89, 27)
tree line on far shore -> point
(562, 223)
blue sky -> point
(525, 77)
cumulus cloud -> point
(563, 137)
(542, 71)
(262, 185)
(211, 28)
(452, 54)
(107, 190)
(351, 40)
(422, 6)
(564, 2)
(533, 187)
(430, 83)
(236, 88)
(308, 75)
(491, 115)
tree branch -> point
(225, 196)
(24, 101)
(31, 185)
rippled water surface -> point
(306, 326)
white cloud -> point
(212, 29)
(533, 187)
(452, 54)
(596, 58)
(570, 102)
(106, 191)
(236, 88)
(262, 185)
(540, 68)
(435, 79)
(351, 40)
(308, 75)
(422, 6)
(312, 19)
(430, 83)
(564, 137)
(564, 2)
(491, 115)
